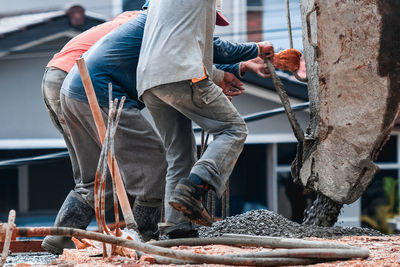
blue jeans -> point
(173, 107)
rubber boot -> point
(180, 230)
(75, 212)
(147, 217)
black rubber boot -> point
(180, 230)
(75, 212)
(147, 217)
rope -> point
(295, 74)
(289, 24)
(297, 130)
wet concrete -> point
(323, 212)
(267, 223)
(33, 258)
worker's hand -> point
(257, 65)
(266, 50)
(231, 86)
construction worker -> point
(76, 210)
(175, 67)
(82, 195)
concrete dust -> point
(267, 223)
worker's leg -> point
(51, 85)
(177, 135)
(139, 152)
(75, 213)
(204, 104)
(141, 158)
(87, 145)
(78, 208)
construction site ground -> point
(384, 250)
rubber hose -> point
(245, 240)
(318, 253)
(150, 249)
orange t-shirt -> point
(66, 58)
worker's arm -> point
(256, 65)
(226, 52)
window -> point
(254, 20)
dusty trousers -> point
(138, 149)
(51, 86)
(173, 107)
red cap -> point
(221, 20)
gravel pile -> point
(267, 223)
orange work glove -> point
(288, 59)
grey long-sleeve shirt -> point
(177, 42)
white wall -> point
(22, 111)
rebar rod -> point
(96, 112)
(213, 200)
(7, 240)
(227, 195)
(113, 131)
(223, 202)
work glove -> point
(266, 50)
(288, 59)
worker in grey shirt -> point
(175, 66)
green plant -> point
(387, 211)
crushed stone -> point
(268, 223)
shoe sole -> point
(197, 216)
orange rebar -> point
(101, 129)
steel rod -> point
(96, 112)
